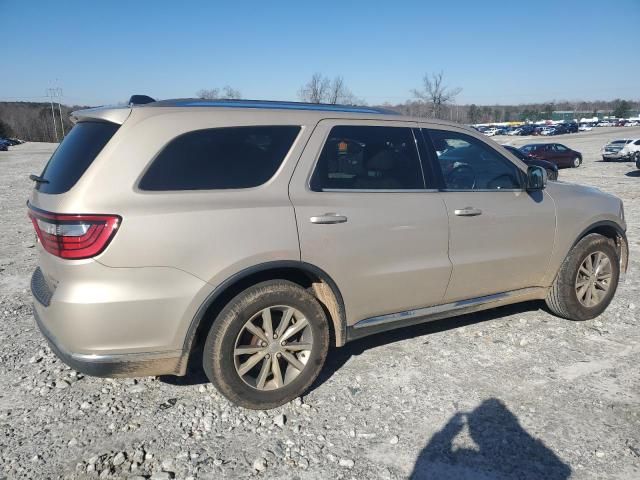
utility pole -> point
(50, 94)
(59, 92)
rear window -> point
(74, 155)
(220, 158)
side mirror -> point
(536, 178)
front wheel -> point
(577, 162)
(267, 346)
(587, 279)
(638, 160)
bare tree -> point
(339, 93)
(315, 90)
(319, 89)
(229, 92)
(436, 94)
(226, 92)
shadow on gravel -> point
(633, 173)
(503, 449)
(339, 356)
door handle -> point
(328, 218)
(468, 212)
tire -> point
(225, 368)
(638, 160)
(562, 298)
(576, 162)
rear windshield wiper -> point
(38, 179)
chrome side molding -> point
(454, 308)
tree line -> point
(433, 99)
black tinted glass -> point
(220, 158)
(74, 155)
(469, 164)
(368, 158)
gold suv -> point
(255, 235)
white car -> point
(585, 128)
(621, 149)
(515, 131)
(547, 131)
(490, 132)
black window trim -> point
(136, 184)
(433, 158)
(346, 123)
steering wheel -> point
(461, 177)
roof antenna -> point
(140, 100)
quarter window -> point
(368, 158)
(469, 164)
(220, 158)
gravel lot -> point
(509, 393)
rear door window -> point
(368, 158)
(74, 155)
(220, 158)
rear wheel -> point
(587, 279)
(577, 162)
(267, 346)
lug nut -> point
(283, 343)
(275, 335)
(267, 356)
(278, 355)
(263, 344)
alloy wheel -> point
(273, 347)
(593, 279)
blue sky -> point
(509, 51)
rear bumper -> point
(107, 321)
(119, 365)
(617, 156)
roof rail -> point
(270, 104)
(140, 100)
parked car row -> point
(5, 143)
(616, 123)
(546, 130)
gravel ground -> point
(509, 393)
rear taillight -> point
(73, 236)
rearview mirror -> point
(536, 178)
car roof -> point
(303, 111)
